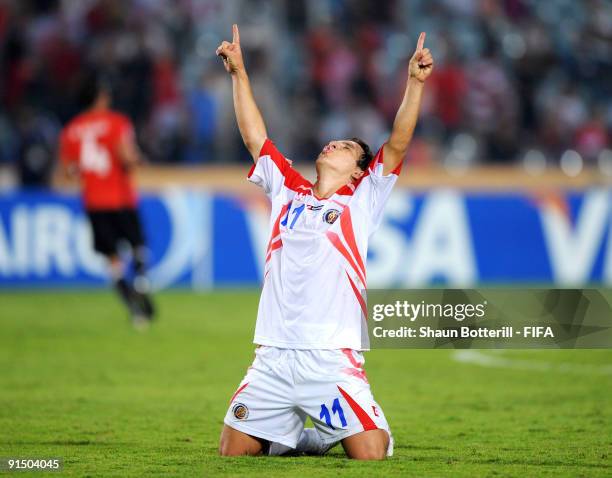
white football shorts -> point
(284, 386)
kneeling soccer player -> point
(310, 325)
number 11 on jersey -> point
(296, 213)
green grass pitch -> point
(77, 382)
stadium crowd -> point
(511, 77)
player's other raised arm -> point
(419, 68)
(250, 121)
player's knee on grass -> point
(368, 445)
(235, 443)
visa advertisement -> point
(442, 237)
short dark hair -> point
(366, 157)
(91, 85)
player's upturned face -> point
(340, 157)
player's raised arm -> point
(420, 67)
(250, 121)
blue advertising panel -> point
(442, 237)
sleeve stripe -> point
(292, 179)
(268, 149)
(379, 160)
(251, 170)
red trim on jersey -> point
(359, 297)
(251, 170)
(364, 418)
(346, 225)
(273, 240)
(269, 149)
(292, 179)
(379, 159)
(348, 189)
(296, 182)
(238, 391)
(398, 168)
(274, 244)
(335, 240)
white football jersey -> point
(313, 293)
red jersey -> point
(91, 140)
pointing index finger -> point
(236, 34)
(421, 41)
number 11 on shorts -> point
(336, 409)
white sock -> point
(278, 449)
(309, 442)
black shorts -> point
(113, 226)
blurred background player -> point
(99, 144)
